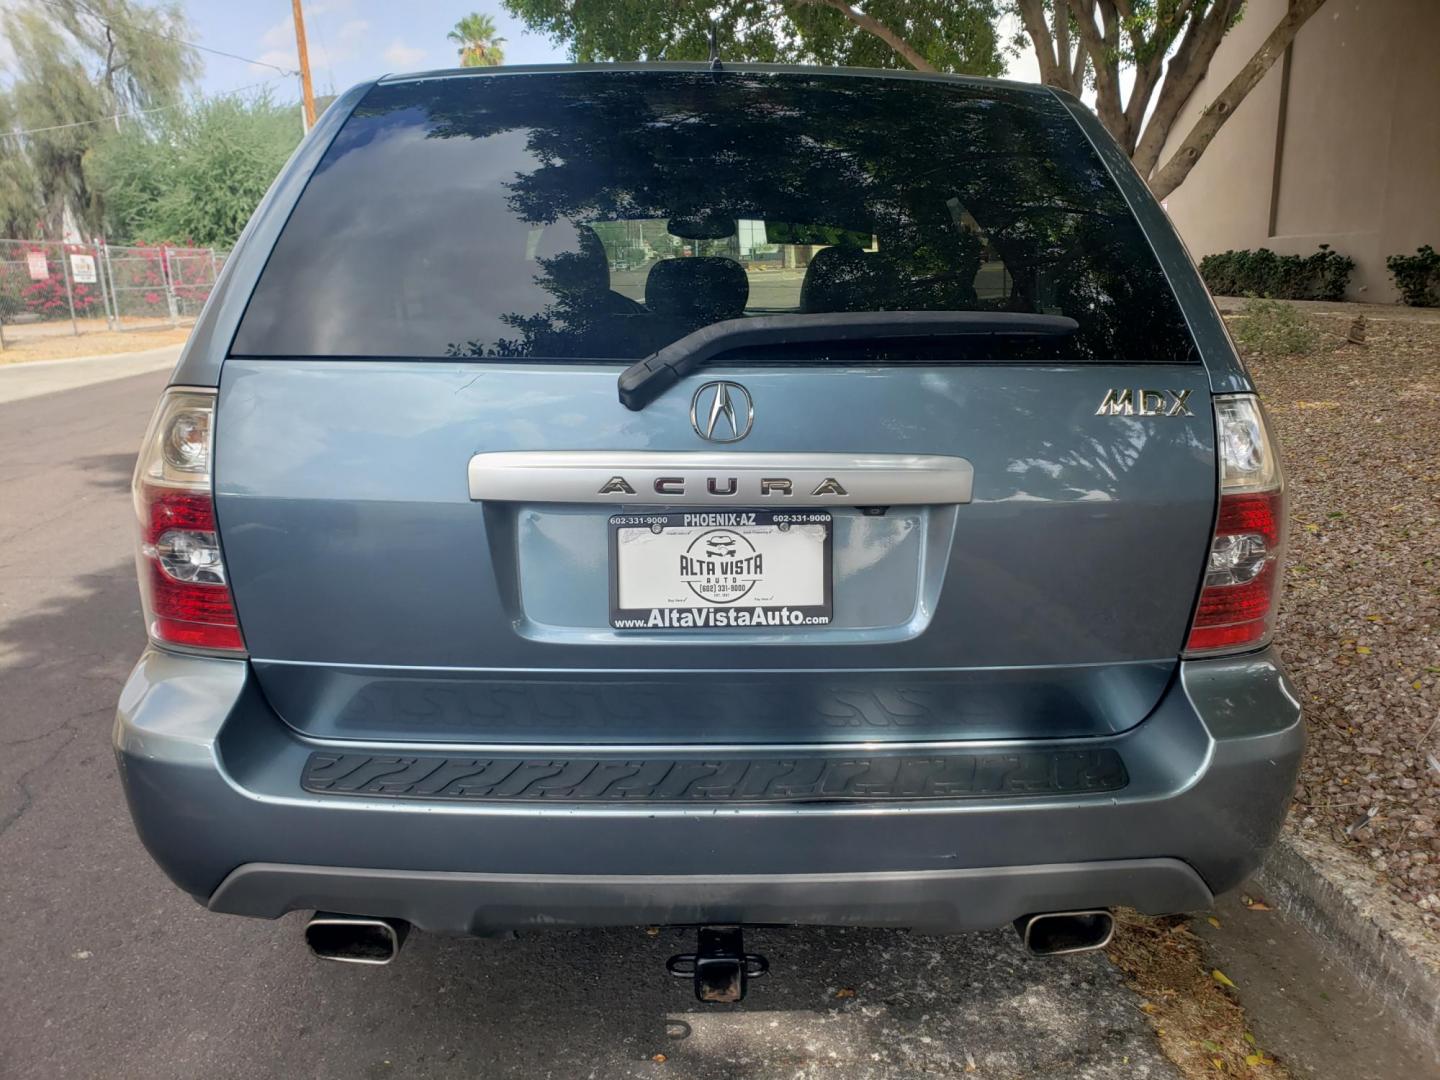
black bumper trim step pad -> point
(628, 779)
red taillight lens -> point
(183, 585)
(1238, 600)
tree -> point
(1169, 44)
(195, 175)
(1079, 43)
(931, 35)
(19, 199)
(479, 45)
(77, 65)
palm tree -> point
(479, 47)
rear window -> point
(603, 215)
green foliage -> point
(479, 47)
(196, 175)
(1151, 27)
(75, 64)
(19, 194)
(1274, 328)
(13, 280)
(1322, 276)
(1417, 276)
(958, 37)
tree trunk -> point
(1032, 14)
(1077, 72)
(1174, 171)
(1182, 75)
(874, 26)
(1103, 46)
(1061, 18)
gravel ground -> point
(1360, 620)
(93, 340)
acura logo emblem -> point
(722, 412)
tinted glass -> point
(603, 215)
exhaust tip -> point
(355, 939)
(1057, 933)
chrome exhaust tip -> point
(1057, 933)
(355, 939)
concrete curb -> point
(1377, 938)
(35, 378)
(89, 358)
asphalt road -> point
(108, 971)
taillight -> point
(1242, 579)
(183, 587)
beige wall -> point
(1352, 160)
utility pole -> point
(307, 91)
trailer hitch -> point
(719, 965)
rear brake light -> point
(183, 586)
(1238, 600)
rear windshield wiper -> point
(645, 380)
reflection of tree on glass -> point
(602, 215)
(584, 311)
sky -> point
(354, 40)
(349, 41)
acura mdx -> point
(708, 496)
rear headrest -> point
(846, 279)
(700, 290)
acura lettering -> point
(722, 487)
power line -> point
(125, 115)
(171, 37)
(85, 123)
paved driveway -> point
(107, 971)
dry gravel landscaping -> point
(1360, 633)
(1360, 620)
(21, 347)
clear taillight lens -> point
(1242, 580)
(183, 587)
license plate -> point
(720, 570)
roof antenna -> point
(715, 64)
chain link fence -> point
(50, 287)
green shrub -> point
(195, 174)
(1273, 328)
(11, 280)
(1322, 276)
(1417, 276)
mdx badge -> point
(1140, 402)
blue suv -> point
(653, 494)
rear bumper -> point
(213, 778)
(934, 900)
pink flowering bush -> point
(48, 300)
